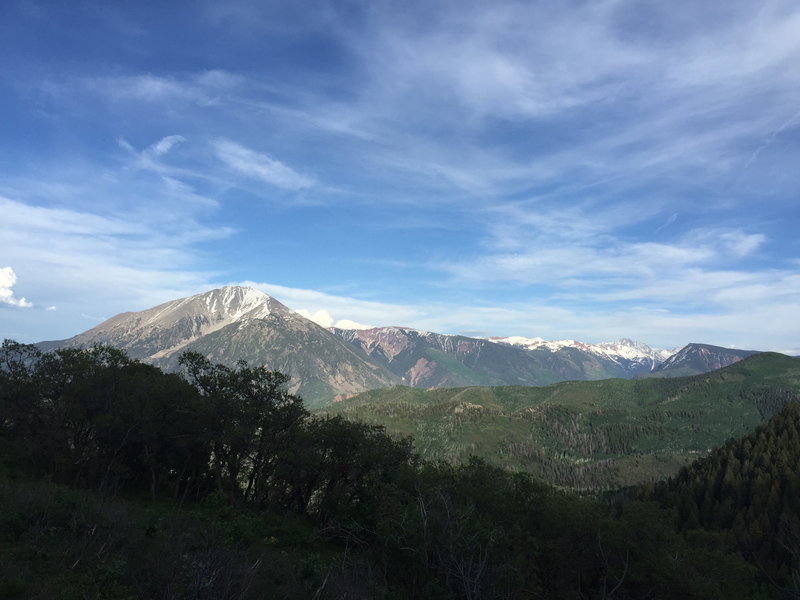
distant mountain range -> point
(238, 323)
(632, 358)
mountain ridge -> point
(696, 358)
(238, 323)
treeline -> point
(380, 523)
(96, 419)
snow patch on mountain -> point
(623, 349)
(221, 307)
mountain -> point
(586, 434)
(694, 359)
(237, 323)
(424, 359)
(627, 356)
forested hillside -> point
(120, 481)
(586, 434)
(748, 490)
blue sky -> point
(586, 170)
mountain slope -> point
(424, 359)
(587, 433)
(168, 328)
(694, 359)
(237, 323)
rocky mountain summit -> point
(694, 359)
(166, 330)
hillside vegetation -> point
(748, 490)
(119, 481)
(586, 434)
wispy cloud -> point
(114, 262)
(260, 166)
(567, 168)
(148, 88)
(566, 261)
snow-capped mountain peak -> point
(623, 350)
(219, 307)
(179, 322)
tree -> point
(254, 420)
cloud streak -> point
(569, 168)
(260, 166)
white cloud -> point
(323, 317)
(320, 317)
(7, 281)
(348, 324)
(39, 220)
(741, 244)
(571, 245)
(260, 166)
(151, 159)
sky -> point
(566, 170)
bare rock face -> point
(422, 370)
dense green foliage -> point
(120, 481)
(586, 434)
(748, 490)
(97, 419)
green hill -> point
(586, 434)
